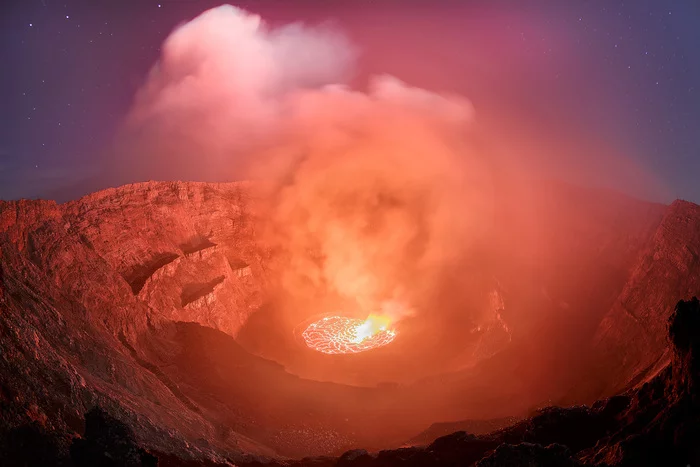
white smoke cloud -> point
(227, 72)
(367, 195)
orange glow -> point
(341, 334)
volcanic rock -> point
(131, 300)
(527, 454)
(32, 445)
(631, 339)
(108, 442)
(355, 457)
(185, 249)
(655, 424)
(71, 322)
(662, 424)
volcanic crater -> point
(155, 307)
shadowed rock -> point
(31, 445)
(138, 276)
(73, 334)
(527, 455)
(108, 443)
(684, 334)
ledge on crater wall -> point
(193, 292)
(239, 267)
(139, 274)
(197, 244)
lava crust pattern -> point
(338, 335)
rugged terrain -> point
(146, 307)
(657, 423)
(631, 335)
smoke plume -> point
(369, 195)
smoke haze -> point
(366, 195)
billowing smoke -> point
(374, 193)
(370, 196)
(219, 88)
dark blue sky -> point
(623, 75)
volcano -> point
(138, 325)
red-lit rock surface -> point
(71, 319)
(90, 292)
(631, 339)
(655, 424)
(185, 249)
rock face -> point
(71, 318)
(655, 424)
(631, 339)
(662, 423)
(185, 249)
(89, 293)
(108, 442)
(131, 300)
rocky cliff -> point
(90, 292)
(630, 343)
(655, 424)
(82, 283)
(131, 300)
(184, 249)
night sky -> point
(588, 76)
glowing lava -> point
(340, 334)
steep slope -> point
(552, 266)
(655, 424)
(69, 323)
(87, 294)
(257, 398)
(132, 299)
(630, 342)
(169, 240)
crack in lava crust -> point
(339, 335)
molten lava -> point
(340, 334)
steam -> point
(369, 196)
(222, 78)
(380, 188)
